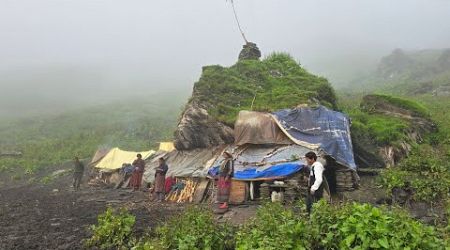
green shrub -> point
(195, 228)
(274, 227)
(427, 169)
(348, 226)
(113, 230)
(362, 226)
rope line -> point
(237, 21)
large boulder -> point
(273, 83)
(377, 146)
(198, 129)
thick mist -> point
(56, 55)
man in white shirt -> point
(315, 183)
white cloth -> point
(318, 173)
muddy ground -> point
(53, 216)
(47, 217)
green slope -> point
(132, 124)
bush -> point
(427, 170)
(195, 229)
(274, 227)
(351, 226)
(113, 230)
(362, 226)
(348, 226)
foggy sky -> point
(49, 48)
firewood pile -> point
(264, 191)
(97, 183)
(344, 180)
(292, 191)
(186, 194)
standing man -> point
(138, 172)
(160, 179)
(77, 173)
(315, 183)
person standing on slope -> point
(139, 167)
(226, 172)
(77, 173)
(315, 183)
(160, 179)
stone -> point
(250, 51)
(197, 129)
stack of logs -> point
(264, 191)
(297, 186)
(184, 195)
(292, 191)
(344, 180)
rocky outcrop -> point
(368, 153)
(275, 82)
(197, 129)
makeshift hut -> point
(166, 146)
(268, 153)
(99, 154)
(109, 167)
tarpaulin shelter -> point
(166, 146)
(185, 163)
(116, 157)
(275, 142)
(319, 128)
(269, 146)
(258, 128)
(264, 162)
(99, 154)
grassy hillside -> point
(427, 168)
(276, 82)
(407, 73)
(132, 124)
(421, 80)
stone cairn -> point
(250, 52)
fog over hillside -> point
(57, 55)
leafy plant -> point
(195, 229)
(362, 226)
(113, 230)
(427, 169)
(274, 227)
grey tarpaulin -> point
(193, 163)
(263, 156)
(319, 128)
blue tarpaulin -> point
(272, 172)
(319, 128)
